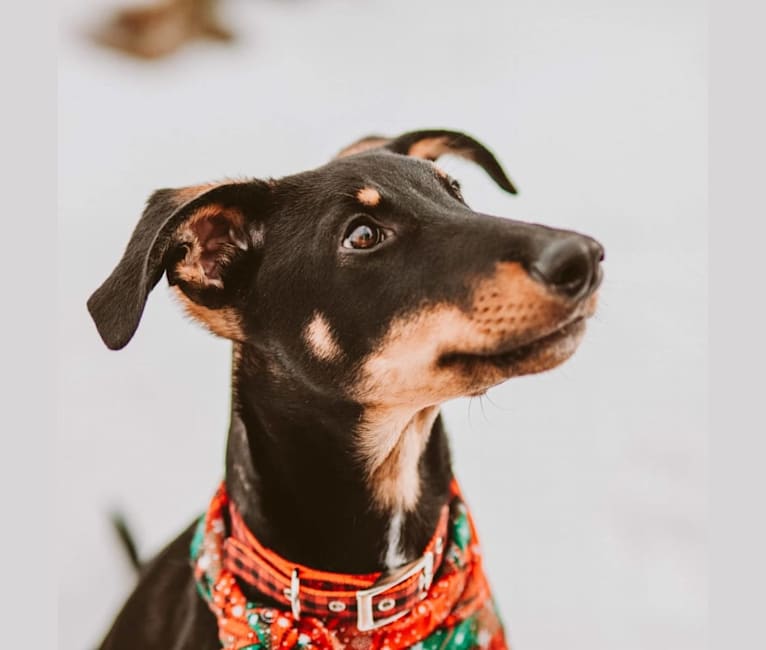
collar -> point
(443, 591)
(373, 600)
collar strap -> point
(373, 599)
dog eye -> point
(362, 234)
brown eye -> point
(362, 234)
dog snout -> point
(570, 266)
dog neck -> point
(316, 487)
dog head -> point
(367, 279)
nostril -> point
(598, 251)
(571, 275)
(567, 266)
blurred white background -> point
(588, 483)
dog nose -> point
(570, 266)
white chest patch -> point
(394, 556)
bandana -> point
(440, 602)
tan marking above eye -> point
(321, 340)
(368, 196)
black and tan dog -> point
(359, 296)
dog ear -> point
(432, 144)
(204, 238)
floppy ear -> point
(432, 144)
(206, 238)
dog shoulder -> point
(165, 611)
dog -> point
(359, 296)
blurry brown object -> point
(157, 30)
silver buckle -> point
(293, 594)
(365, 617)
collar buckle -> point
(365, 615)
(293, 595)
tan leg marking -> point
(321, 340)
(368, 196)
(224, 322)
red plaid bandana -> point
(441, 601)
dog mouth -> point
(562, 342)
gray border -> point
(738, 234)
(28, 348)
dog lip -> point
(512, 352)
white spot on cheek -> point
(320, 339)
